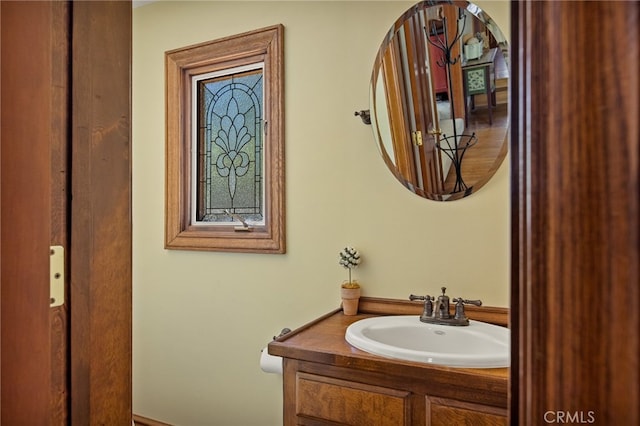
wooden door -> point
(65, 131)
(28, 122)
(576, 241)
(408, 92)
(420, 101)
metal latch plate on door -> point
(56, 275)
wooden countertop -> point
(322, 341)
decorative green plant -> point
(350, 259)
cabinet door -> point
(325, 400)
(442, 411)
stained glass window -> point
(229, 154)
(224, 187)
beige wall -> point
(200, 319)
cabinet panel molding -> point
(444, 411)
(349, 402)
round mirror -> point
(439, 99)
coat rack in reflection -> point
(454, 146)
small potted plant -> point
(350, 291)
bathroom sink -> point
(478, 345)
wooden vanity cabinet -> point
(326, 381)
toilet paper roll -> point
(270, 363)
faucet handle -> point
(428, 305)
(425, 298)
(460, 302)
(467, 301)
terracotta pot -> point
(350, 298)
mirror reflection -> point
(439, 99)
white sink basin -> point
(479, 345)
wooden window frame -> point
(262, 45)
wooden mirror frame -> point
(263, 45)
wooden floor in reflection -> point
(480, 159)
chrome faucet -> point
(440, 313)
